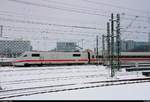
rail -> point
(5, 94)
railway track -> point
(51, 79)
(48, 72)
(5, 94)
(17, 69)
(48, 79)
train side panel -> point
(42, 58)
(65, 58)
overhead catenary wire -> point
(45, 23)
(46, 18)
(66, 9)
(58, 8)
(48, 33)
(44, 30)
(8, 13)
(115, 6)
(47, 6)
(91, 8)
(42, 23)
(55, 32)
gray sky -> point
(18, 18)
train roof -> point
(135, 53)
(100, 53)
(50, 52)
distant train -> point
(40, 58)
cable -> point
(85, 7)
(68, 4)
(89, 8)
(67, 19)
(20, 15)
(64, 9)
(58, 8)
(116, 6)
(136, 32)
(45, 30)
(54, 31)
(32, 22)
(70, 10)
(49, 24)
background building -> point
(127, 45)
(134, 46)
(13, 48)
(67, 47)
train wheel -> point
(40, 65)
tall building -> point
(130, 45)
(13, 48)
(127, 45)
(66, 47)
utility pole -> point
(108, 42)
(97, 48)
(82, 43)
(103, 46)
(149, 31)
(112, 46)
(118, 39)
(1, 32)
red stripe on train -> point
(136, 59)
(81, 60)
(70, 60)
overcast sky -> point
(29, 19)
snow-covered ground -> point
(26, 77)
(122, 92)
(6, 59)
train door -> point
(36, 58)
(89, 58)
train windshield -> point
(23, 55)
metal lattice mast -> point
(118, 39)
(112, 46)
(103, 48)
(108, 42)
(97, 48)
(149, 30)
(1, 32)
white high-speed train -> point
(69, 58)
(53, 58)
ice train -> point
(40, 58)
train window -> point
(25, 56)
(35, 55)
(99, 57)
(76, 55)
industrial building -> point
(13, 48)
